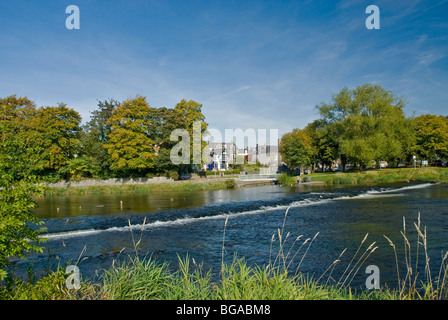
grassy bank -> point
(384, 176)
(148, 279)
(144, 188)
(330, 178)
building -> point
(220, 155)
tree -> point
(431, 133)
(191, 112)
(368, 125)
(165, 121)
(295, 148)
(15, 115)
(18, 152)
(17, 233)
(56, 132)
(19, 230)
(95, 135)
(130, 143)
(324, 144)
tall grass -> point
(143, 188)
(287, 180)
(385, 176)
(417, 283)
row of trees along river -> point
(363, 127)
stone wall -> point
(109, 182)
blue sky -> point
(252, 64)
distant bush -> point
(230, 184)
(286, 180)
(172, 174)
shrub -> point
(17, 234)
(230, 184)
(286, 180)
(172, 174)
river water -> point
(93, 231)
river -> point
(93, 231)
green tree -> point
(78, 168)
(165, 121)
(19, 228)
(56, 132)
(296, 149)
(368, 125)
(431, 133)
(163, 163)
(324, 144)
(18, 232)
(18, 152)
(95, 135)
(130, 143)
(191, 112)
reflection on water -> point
(193, 222)
(107, 205)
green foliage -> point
(148, 279)
(190, 113)
(163, 162)
(231, 184)
(130, 145)
(431, 137)
(287, 180)
(19, 158)
(325, 148)
(136, 279)
(19, 154)
(296, 149)
(172, 174)
(94, 135)
(78, 169)
(385, 176)
(19, 230)
(367, 124)
(50, 287)
(56, 132)
(122, 139)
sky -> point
(252, 64)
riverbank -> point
(142, 185)
(431, 174)
(124, 186)
(149, 279)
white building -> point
(220, 155)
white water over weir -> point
(313, 200)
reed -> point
(430, 287)
(381, 176)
